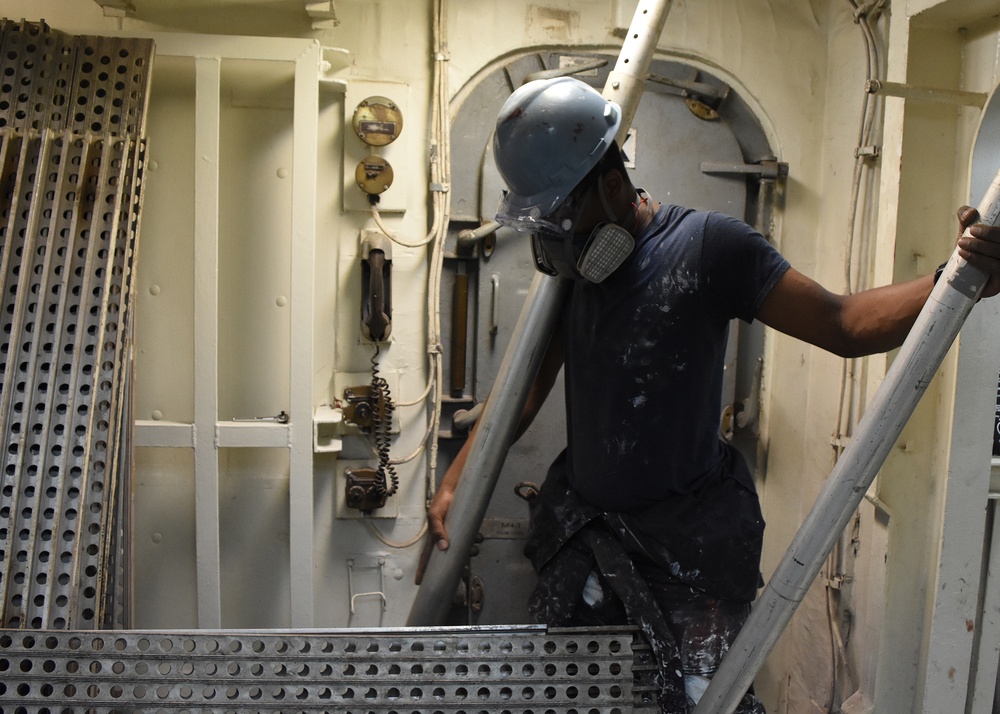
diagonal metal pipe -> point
(929, 340)
(523, 357)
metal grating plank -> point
(63, 297)
(109, 86)
(35, 76)
(72, 113)
(116, 609)
(497, 669)
(114, 459)
(88, 84)
(29, 297)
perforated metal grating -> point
(51, 80)
(413, 670)
(71, 164)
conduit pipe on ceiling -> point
(922, 352)
(523, 357)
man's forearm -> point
(879, 319)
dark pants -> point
(682, 549)
(704, 627)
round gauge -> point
(373, 175)
(377, 121)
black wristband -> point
(937, 273)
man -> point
(647, 516)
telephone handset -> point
(376, 321)
(376, 286)
(370, 407)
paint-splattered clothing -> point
(596, 568)
(644, 367)
(645, 352)
(644, 357)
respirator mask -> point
(593, 257)
(559, 249)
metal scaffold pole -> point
(922, 352)
(523, 357)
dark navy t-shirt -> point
(644, 357)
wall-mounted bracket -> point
(332, 61)
(768, 173)
(768, 169)
(326, 429)
(929, 94)
(380, 593)
(323, 14)
(117, 8)
(708, 94)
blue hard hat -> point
(549, 134)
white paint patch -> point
(695, 686)
(621, 446)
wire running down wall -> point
(72, 113)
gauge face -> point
(373, 174)
(377, 121)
